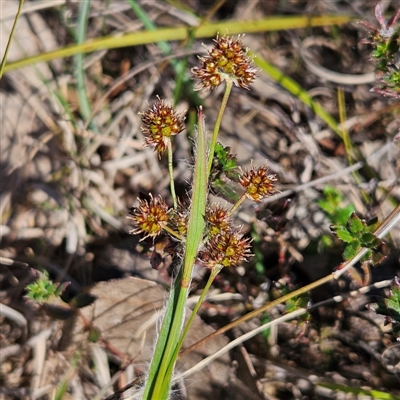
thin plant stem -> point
(199, 366)
(171, 175)
(389, 222)
(84, 105)
(164, 375)
(164, 357)
(348, 145)
(173, 233)
(258, 311)
(217, 125)
(214, 272)
(237, 204)
(4, 61)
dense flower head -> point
(180, 218)
(150, 217)
(227, 249)
(160, 122)
(218, 220)
(258, 183)
(226, 60)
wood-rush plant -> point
(202, 231)
(205, 232)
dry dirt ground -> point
(67, 186)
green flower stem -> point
(3, 62)
(237, 204)
(171, 175)
(214, 272)
(258, 311)
(222, 108)
(164, 375)
(390, 221)
(165, 354)
(173, 233)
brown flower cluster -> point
(160, 122)
(225, 244)
(150, 217)
(258, 183)
(228, 249)
(180, 218)
(218, 220)
(226, 60)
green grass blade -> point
(194, 237)
(4, 60)
(198, 206)
(149, 25)
(180, 66)
(180, 33)
(160, 347)
(161, 370)
(296, 90)
(84, 105)
(374, 394)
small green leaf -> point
(42, 289)
(351, 250)
(377, 258)
(328, 207)
(367, 256)
(367, 239)
(342, 214)
(343, 234)
(375, 243)
(355, 224)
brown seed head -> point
(226, 60)
(160, 122)
(258, 183)
(227, 249)
(150, 217)
(218, 220)
(180, 218)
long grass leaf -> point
(161, 370)
(4, 60)
(84, 105)
(179, 33)
(296, 90)
(374, 394)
